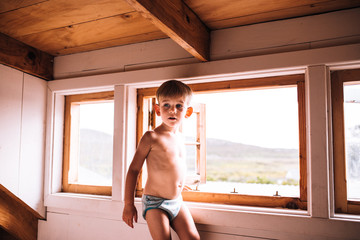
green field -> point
(236, 162)
(225, 161)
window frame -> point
(338, 78)
(200, 142)
(239, 199)
(70, 101)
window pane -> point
(96, 143)
(191, 160)
(352, 139)
(189, 130)
(252, 142)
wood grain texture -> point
(71, 149)
(337, 99)
(149, 36)
(18, 55)
(179, 22)
(62, 27)
(94, 32)
(245, 200)
(338, 78)
(17, 218)
(49, 15)
(302, 141)
(231, 13)
(11, 5)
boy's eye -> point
(166, 105)
(179, 106)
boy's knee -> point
(194, 236)
(189, 235)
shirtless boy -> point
(164, 151)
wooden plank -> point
(139, 134)
(212, 13)
(232, 85)
(71, 111)
(25, 58)
(11, 5)
(149, 36)
(302, 141)
(124, 25)
(337, 100)
(246, 200)
(338, 78)
(54, 14)
(16, 217)
(179, 22)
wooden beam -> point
(18, 55)
(16, 217)
(179, 22)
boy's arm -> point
(141, 153)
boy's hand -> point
(187, 188)
(129, 214)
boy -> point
(164, 151)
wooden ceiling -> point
(61, 27)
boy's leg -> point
(158, 224)
(184, 225)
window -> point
(345, 95)
(88, 143)
(245, 141)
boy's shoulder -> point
(154, 134)
(149, 134)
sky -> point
(98, 116)
(351, 106)
(266, 118)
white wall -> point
(22, 135)
(310, 45)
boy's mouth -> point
(172, 118)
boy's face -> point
(173, 110)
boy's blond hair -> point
(174, 88)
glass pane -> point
(189, 131)
(352, 139)
(96, 143)
(191, 159)
(252, 142)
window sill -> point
(106, 206)
(346, 217)
(246, 209)
(203, 213)
(97, 205)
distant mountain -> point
(96, 151)
(217, 149)
(225, 160)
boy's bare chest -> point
(169, 146)
(168, 150)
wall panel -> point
(22, 135)
(11, 82)
(32, 142)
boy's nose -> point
(172, 109)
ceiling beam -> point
(179, 22)
(18, 55)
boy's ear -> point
(189, 111)
(157, 109)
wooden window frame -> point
(200, 142)
(240, 199)
(338, 78)
(71, 108)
